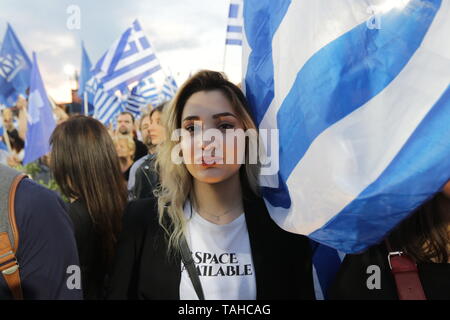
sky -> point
(187, 35)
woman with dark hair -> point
(209, 235)
(423, 238)
(87, 170)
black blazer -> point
(142, 270)
(93, 269)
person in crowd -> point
(87, 170)
(125, 149)
(143, 174)
(13, 138)
(46, 250)
(60, 115)
(424, 236)
(211, 209)
(125, 126)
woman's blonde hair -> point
(176, 181)
(131, 145)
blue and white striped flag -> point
(144, 93)
(234, 26)
(360, 97)
(169, 88)
(106, 105)
(130, 58)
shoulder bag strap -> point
(404, 270)
(9, 267)
(190, 267)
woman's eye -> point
(192, 127)
(225, 126)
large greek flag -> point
(359, 91)
(130, 58)
(234, 26)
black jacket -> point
(146, 179)
(141, 149)
(142, 270)
(351, 280)
(93, 270)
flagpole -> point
(85, 101)
(224, 56)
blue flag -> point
(40, 118)
(361, 111)
(85, 75)
(2, 144)
(15, 67)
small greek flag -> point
(235, 21)
(144, 93)
(169, 88)
(106, 105)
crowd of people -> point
(141, 226)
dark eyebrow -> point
(223, 114)
(191, 118)
(218, 115)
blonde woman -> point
(214, 207)
(125, 148)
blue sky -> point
(187, 35)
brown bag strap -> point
(406, 275)
(9, 266)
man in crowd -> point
(46, 250)
(125, 126)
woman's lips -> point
(210, 161)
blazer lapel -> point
(260, 243)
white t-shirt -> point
(223, 258)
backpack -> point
(9, 234)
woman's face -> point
(123, 151)
(206, 160)
(157, 131)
